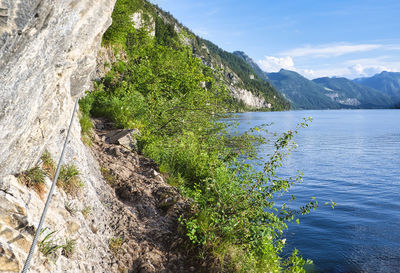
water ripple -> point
(353, 158)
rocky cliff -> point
(47, 55)
(48, 52)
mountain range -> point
(379, 91)
(386, 82)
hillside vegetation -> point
(160, 86)
(248, 78)
(228, 69)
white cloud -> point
(350, 72)
(318, 73)
(350, 68)
(359, 70)
(370, 66)
(274, 64)
(332, 50)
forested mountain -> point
(349, 93)
(386, 82)
(301, 92)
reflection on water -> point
(353, 158)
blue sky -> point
(350, 38)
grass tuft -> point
(69, 248)
(115, 244)
(108, 176)
(86, 211)
(48, 245)
(34, 178)
(69, 181)
(48, 164)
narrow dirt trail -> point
(145, 210)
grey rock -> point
(248, 98)
(126, 138)
(48, 51)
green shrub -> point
(85, 105)
(86, 125)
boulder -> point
(125, 138)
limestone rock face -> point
(248, 98)
(48, 51)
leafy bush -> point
(234, 216)
(85, 121)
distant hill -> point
(386, 82)
(349, 93)
(301, 92)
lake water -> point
(353, 158)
